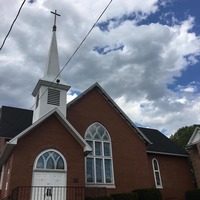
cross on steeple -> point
(55, 14)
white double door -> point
(49, 185)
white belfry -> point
(50, 91)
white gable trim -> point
(64, 121)
(195, 138)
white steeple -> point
(50, 91)
(52, 69)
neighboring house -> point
(193, 148)
(90, 143)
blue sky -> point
(170, 13)
(145, 54)
(181, 9)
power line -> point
(75, 51)
(17, 121)
(12, 25)
(85, 37)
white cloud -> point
(71, 96)
(189, 89)
(136, 77)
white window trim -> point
(55, 170)
(154, 173)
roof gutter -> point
(169, 154)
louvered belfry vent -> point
(53, 97)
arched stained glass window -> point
(156, 171)
(99, 164)
(50, 160)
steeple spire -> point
(52, 69)
(50, 92)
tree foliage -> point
(182, 135)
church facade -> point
(88, 143)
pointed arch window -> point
(156, 171)
(50, 160)
(99, 164)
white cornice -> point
(49, 84)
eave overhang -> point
(167, 154)
(49, 84)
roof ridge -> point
(83, 93)
(119, 110)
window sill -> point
(50, 170)
(159, 187)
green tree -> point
(182, 135)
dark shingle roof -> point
(13, 121)
(161, 143)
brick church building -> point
(88, 144)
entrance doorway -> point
(49, 176)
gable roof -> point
(16, 122)
(115, 106)
(13, 121)
(162, 144)
(63, 120)
(11, 144)
(195, 138)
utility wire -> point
(85, 38)
(17, 121)
(74, 51)
(12, 25)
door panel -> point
(49, 185)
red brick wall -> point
(6, 178)
(129, 152)
(51, 134)
(175, 174)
